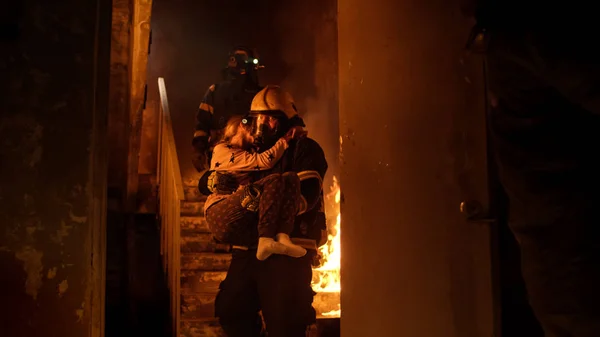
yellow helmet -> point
(273, 100)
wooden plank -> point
(198, 305)
(194, 223)
(197, 242)
(193, 194)
(196, 328)
(205, 261)
(201, 281)
(192, 208)
(192, 242)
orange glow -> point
(326, 278)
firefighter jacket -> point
(220, 102)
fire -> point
(326, 278)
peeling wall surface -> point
(296, 40)
(49, 201)
(412, 120)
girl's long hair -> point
(232, 128)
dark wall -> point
(118, 118)
(297, 41)
(53, 124)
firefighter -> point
(280, 286)
(230, 97)
(543, 75)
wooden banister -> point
(170, 196)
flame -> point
(326, 278)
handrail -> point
(170, 196)
(166, 119)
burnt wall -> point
(296, 41)
(118, 118)
(53, 121)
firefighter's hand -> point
(296, 132)
(289, 135)
(299, 132)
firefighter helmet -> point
(272, 113)
(273, 100)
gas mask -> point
(243, 62)
(265, 129)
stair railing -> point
(170, 197)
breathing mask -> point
(265, 129)
(243, 61)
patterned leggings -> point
(232, 223)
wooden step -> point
(201, 328)
(198, 294)
(198, 305)
(192, 179)
(201, 281)
(210, 328)
(205, 261)
(193, 194)
(194, 223)
(192, 208)
(194, 242)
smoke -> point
(296, 40)
(307, 33)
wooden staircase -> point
(203, 266)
